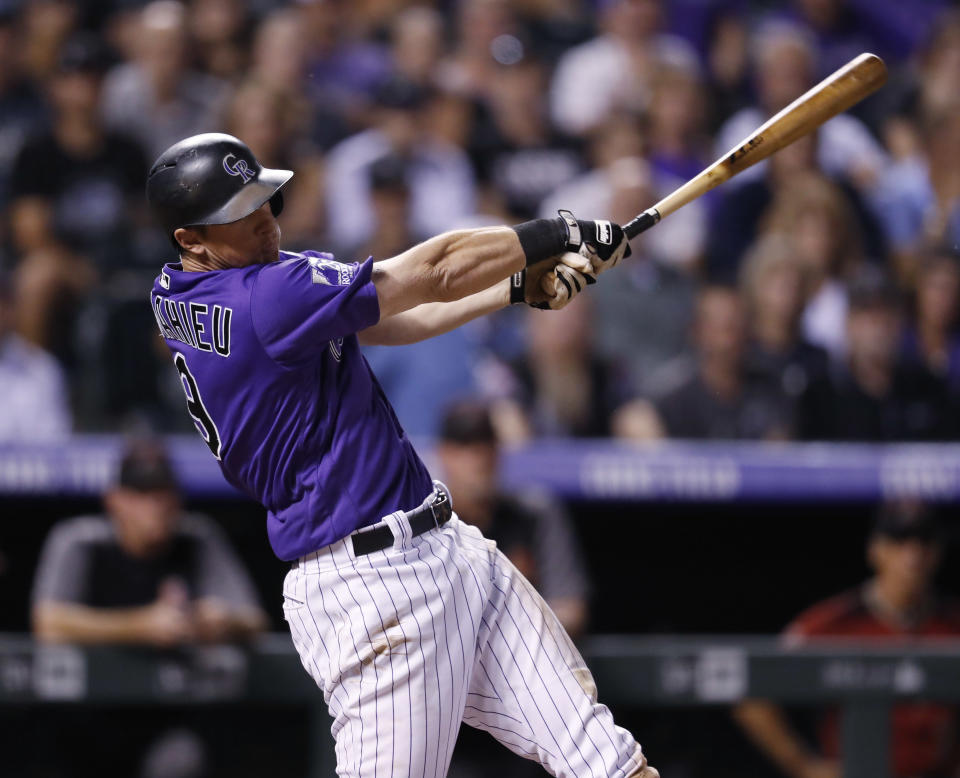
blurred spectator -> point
(642, 314)
(219, 31)
(843, 29)
(728, 66)
(919, 195)
(145, 572)
(675, 122)
(534, 532)
(76, 192)
(620, 180)
(739, 216)
(45, 25)
(784, 65)
(617, 69)
(931, 339)
(488, 35)
(157, 98)
(924, 89)
(814, 216)
(873, 395)
(344, 68)
(440, 177)
(279, 63)
(22, 112)
(417, 44)
(35, 402)
(709, 394)
(515, 149)
(267, 121)
(560, 387)
(419, 379)
(773, 287)
(836, 30)
(898, 603)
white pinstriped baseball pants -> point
(441, 628)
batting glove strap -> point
(518, 286)
(574, 234)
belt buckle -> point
(440, 508)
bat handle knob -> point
(641, 223)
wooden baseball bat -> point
(847, 86)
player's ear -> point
(190, 240)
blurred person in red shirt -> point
(898, 603)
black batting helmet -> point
(211, 178)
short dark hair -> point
(468, 421)
(145, 467)
(84, 53)
(906, 519)
(870, 289)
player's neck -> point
(192, 264)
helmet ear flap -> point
(276, 204)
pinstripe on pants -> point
(441, 628)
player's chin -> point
(269, 251)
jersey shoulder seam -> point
(253, 325)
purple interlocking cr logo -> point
(238, 168)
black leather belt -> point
(429, 515)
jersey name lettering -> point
(194, 324)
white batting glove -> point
(561, 285)
(551, 288)
(602, 243)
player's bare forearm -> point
(446, 268)
(432, 319)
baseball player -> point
(408, 619)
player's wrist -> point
(542, 239)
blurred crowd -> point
(813, 297)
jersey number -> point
(201, 419)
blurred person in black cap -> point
(874, 395)
(144, 573)
(531, 529)
(899, 602)
(440, 177)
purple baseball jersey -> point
(277, 387)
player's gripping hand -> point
(602, 243)
(550, 286)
